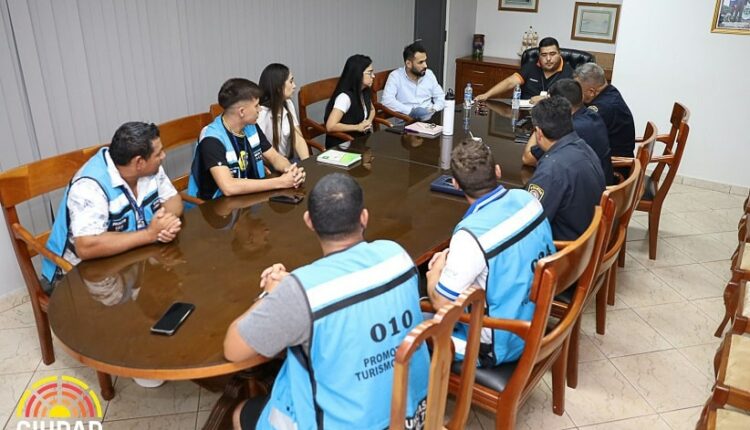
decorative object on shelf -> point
(477, 45)
(731, 16)
(595, 22)
(530, 39)
(519, 5)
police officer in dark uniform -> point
(568, 180)
(535, 77)
(606, 100)
(587, 124)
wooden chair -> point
(381, 110)
(20, 185)
(316, 92)
(622, 197)
(179, 132)
(656, 185)
(439, 331)
(723, 419)
(644, 152)
(215, 110)
(504, 388)
(736, 300)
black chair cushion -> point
(566, 296)
(495, 378)
(649, 189)
(574, 57)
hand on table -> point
(271, 277)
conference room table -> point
(102, 311)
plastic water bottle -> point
(449, 112)
(516, 102)
(468, 95)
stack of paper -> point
(425, 128)
(339, 158)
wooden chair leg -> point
(573, 350)
(653, 231)
(731, 302)
(621, 255)
(105, 385)
(611, 286)
(558, 382)
(601, 306)
(45, 337)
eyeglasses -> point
(371, 73)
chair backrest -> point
(439, 331)
(24, 183)
(576, 264)
(674, 147)
(310, 94)
(215, 110)
(182, 131)
(623, 197)
(574, 57)
(378, 83)
(644, 153)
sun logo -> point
(60, 398)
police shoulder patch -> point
(593, 108)
(536, 191)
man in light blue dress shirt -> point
(413, 89)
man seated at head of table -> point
(606, 100)
(413, 89)
(119, 200)
(587, 124)
(568, 179)
(329, 317)
(534, 78)
(494, 246)
(230, 153)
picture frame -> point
(731, 17)
(595, 22)
(518, 5)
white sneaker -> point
(149, 383)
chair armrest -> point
(313, 144)
(666, 159)
(307, 122)
(426, 306)
(663, 138)
(621, 161)
(21, 233)
(382, 109)
(191, 199)
(518, 327)
(562, 244)
(382, 121)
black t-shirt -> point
(619, 121)
(212, 153)
(534, 81)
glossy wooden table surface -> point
(102, 310)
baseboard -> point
(713, 186)
(13, 299)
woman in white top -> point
(350, 108)
(277, 117)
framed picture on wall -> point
(731, 16)
(595, 22)
(519, 5)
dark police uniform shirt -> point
(569, 182)
(619, 121)
(534, 81)
(590, 127)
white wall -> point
(503, 30)
(460, 23)
(663, 57)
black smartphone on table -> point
(284, 198)
(172, 318)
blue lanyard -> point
(140, 217)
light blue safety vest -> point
(250, 165)
(513, 233)
(124, 213)
(363, 302)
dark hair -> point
(238, 90)
(552, 115)
(549, 41)
(272, 82)
(350, 82)
(568, 88)
(473, 166)
(131, 140)
(411, 50)
(335, 204)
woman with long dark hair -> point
(350, 108)
(277, 117)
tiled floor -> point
(652, 370)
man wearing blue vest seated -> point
(495, 246)
(340, 319)
(119, 200)
(230, 153)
